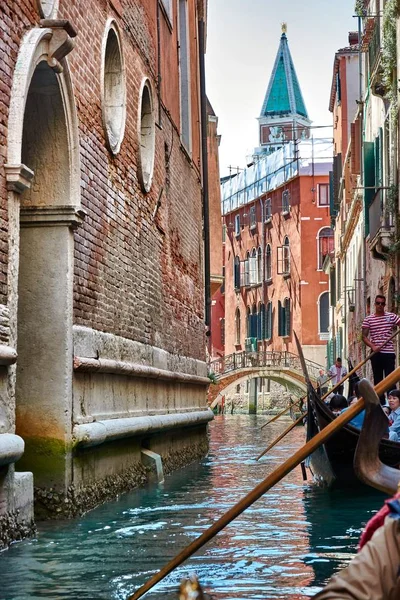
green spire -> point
(283, 97)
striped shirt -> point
(380, 329)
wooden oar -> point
(282, 435)
(285, 410)
(266, 485)
(289, 429)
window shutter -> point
(280, 318)
(287, 316)
(355, 147)
(369, 180)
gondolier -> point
(376, 330)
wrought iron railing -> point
(273, 360)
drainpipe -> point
(204, 160)
(158, 65)
(362, 178)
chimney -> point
(353, 38)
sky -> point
(242, 41)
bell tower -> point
(283, 114)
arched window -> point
(325, 245)
(259, 266)
(236, 273)
(268, 210)
(268, 324)
(323, 314)
(284, 258)
(268, 263)
(253, 267)
(237, 327)
(247, 270)
(248, 322)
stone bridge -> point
(282, 367)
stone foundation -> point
(53, 504)
(12, 529)
(89, 489)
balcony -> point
(381, 228)
(378, 87)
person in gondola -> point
(376, 330)
(337, 404)
(394, 416)
(336, 373)
(358, 420)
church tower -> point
(283, 115)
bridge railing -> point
(268, 359)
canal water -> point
(285, 546)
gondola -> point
(333, 462)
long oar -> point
(289, 429)
(362, 363)
(265, 485)
(285, 410)
(282, 435)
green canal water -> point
(285, 546)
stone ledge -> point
(106, 365)
(91, 343)
(8, 355)
(94, 434)
(11, 448)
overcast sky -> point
(242, 42)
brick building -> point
(276, 215)
(103, 162)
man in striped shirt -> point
(376, 330)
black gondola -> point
(333, 462)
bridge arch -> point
(284, 368)
(293, 382)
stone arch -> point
(286, 377)
(43, 133)
(41, 46)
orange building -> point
(278, 231)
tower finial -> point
(284, 27)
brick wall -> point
(136, 276)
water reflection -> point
(285, 546)
(334, 522)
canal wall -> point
(102, 271)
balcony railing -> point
(273, 360)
